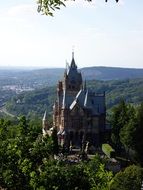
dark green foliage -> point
(127, 134)
(139, 134)
(119, 118)
(15, 144)
(129, 179)
(127, 131)
(55, 142)
(27, 162)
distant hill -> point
(49, 77)
(37, 101)
(111, 73)
(42, 77)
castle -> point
(79, 114)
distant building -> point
(79, 114)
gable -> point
(77, 110)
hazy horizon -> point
(38, 67)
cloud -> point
(83, 3)
(20, 16)
(20, 10)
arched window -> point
(71, 135)
(81, 135)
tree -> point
(127, 133)
(130, 178)
(127, 136)
(118, 119)
(139, 134)
(48, 6)
(55, 142)
(27, 162)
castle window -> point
(71, 135)
(73, 81)
(76, 135)
(81, 135)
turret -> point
(60, 87)
(72, 78)
(84, 87)
(73, 65)
(45, 126)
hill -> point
(111, 73)
(49, 77)
(37, 101)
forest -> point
(28, 159)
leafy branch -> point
(46, 7)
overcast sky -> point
(102, 34)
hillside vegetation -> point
(37, 101)
(111, 73)
(32, 103)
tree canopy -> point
(127, 130)
(47, 7)
(27, 162)
(130, 178)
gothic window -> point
(71, 135)
(92, 101)
(76, 136)
(81, 135)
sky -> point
(101, 34)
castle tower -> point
(72, 79)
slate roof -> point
(85, 99)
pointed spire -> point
(45, 124)
(73, 54)
(67, 68)
(73, 65)
(67, 65)
(64, 100)
(86, 99)
(45, 116)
